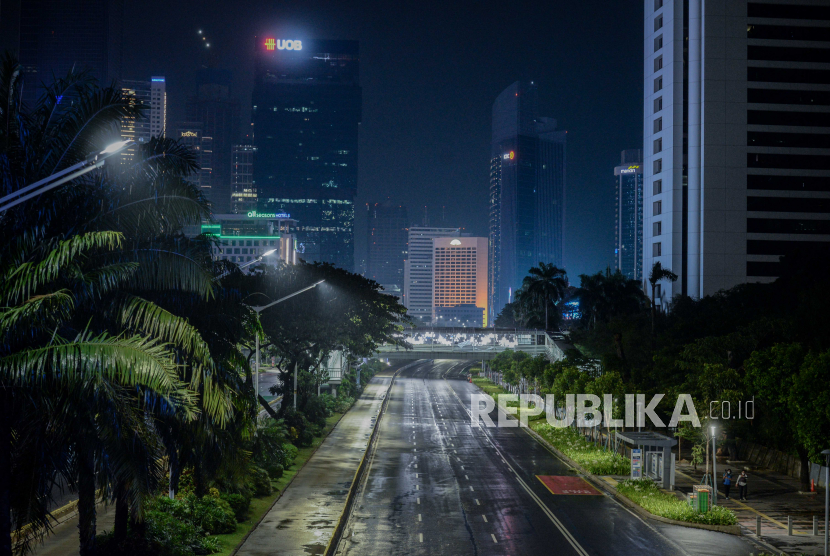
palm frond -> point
(134, 361)
(22, 282)
(163, 269)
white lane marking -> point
(466, 477)
(471, 488)
(418, 500)
(485, 518)
(494, 538)
(421, 537)
(419, 518)
(417, 487)
(559, 525)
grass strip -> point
(260, 506)
(646, 494)
(593, 458)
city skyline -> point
(428, 117)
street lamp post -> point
(826, 454)
(259, 309)
(714, 471)
(59, 178)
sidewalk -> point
(773, 497)
(304, 518)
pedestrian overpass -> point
(480, 344)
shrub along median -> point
(594, 459)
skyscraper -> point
(306, 110)
(57, 36)
(190, 135)
(243, 190)
(459, 281)
(527, 192)
(417, 293)
(628, 216)
(219, 113)
(737, 169)
(387, 234)
(152, 97)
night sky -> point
(430, 71)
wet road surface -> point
(436, 485)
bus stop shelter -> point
(651, 439)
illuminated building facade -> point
(628, 214)
(243, 190)
(219, 114)
(527, 192)
(736, 141)
(387, 235)
(459, 281)
(244, 237)
(306, 111)
(191, 135)
(152, 97)
(57, 36)
(417, 293)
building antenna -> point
(426, 217)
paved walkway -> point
(773, 497)
(303, 519)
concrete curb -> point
(334, 541)
(639, 510)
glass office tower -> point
(628, 216)
(527, 192)
(306, 110)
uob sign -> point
(289, 45)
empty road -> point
(436, 485)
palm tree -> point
(545, 284)
(658, 273)
(86, 300)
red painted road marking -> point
(567, 485)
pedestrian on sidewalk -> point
(742, 480)
(727, 482)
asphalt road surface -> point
(437, 485)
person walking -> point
(742, 481)
(727, 482)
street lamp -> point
(826, 454)
(59, 178)
(259, 309)
(714, 471)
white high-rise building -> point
(417, 294)
(736, 139)
(152, 97)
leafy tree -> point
(789, 382)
